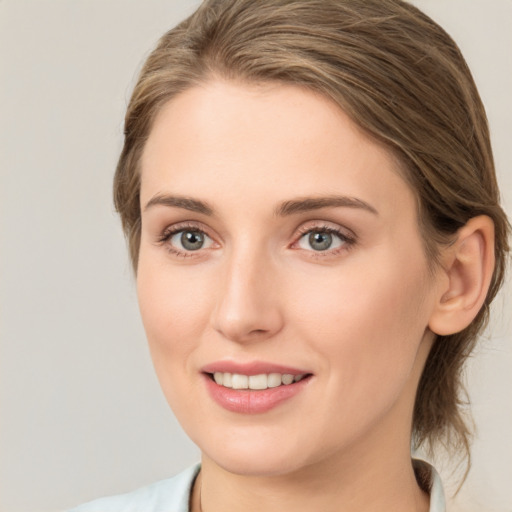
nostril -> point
(258, 331)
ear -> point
(467, 268)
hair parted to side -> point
(401, 78)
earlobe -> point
(467, 266)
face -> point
(280, 244)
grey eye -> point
(189, 240)
(320, 241)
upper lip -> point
(251, 368)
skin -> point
(356, 316)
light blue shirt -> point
(173, 495)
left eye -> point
(190, 240)
(320, 241)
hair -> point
(402, 79)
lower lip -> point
(248, 401)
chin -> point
(254, 455)
(261, 465)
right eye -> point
(189, 240)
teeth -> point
(227, 380)
(258, 381)
(261, 381)
(240, 381)
(287, 378)
(274, 380)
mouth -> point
(257, 382)
(254, 387)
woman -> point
(308, 192)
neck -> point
(373, 474)
(356, 483)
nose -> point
(248, 305)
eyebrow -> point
(294, 206)
(308, 204)
(186, 203)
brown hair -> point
(401, 78)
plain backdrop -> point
(81, 412)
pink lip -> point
(252, 368)
(247, 401)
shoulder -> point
(167, 495)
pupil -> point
(320, 241)
(192, 240)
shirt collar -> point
(428, 477)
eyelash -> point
(169, 232)
(348, 241)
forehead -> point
(271, 140)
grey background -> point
(81, 411)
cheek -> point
(169, 298)
(174, 309)
(367, 321)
